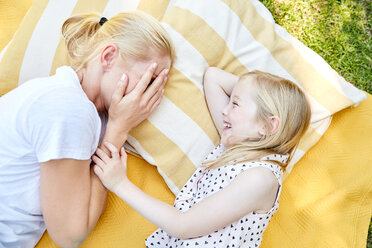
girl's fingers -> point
(98, 170)
(120, 89)
(98, 161)
(123, 153)
(145, 80)
(102, 155)
(114, 151)
(123, 156)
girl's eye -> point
(235, 103)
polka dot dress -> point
(246, 232)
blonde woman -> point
(50, 127)
(229, 201)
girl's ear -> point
(274, 126)
(108, 56)
(275, 123)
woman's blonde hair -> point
(135, 33)
(276, 96)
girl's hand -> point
(127, 111)
(111, 171)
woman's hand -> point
(127, 111)
(111, 171)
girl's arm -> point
(218, 85)
(253, 190)
(72, 196)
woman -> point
(50, 126)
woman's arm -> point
(218, 85)
(72, 199)
(72, 196)
(253, 190)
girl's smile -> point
(240, 115)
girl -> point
(228, 202)
(50, 127)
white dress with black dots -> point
(246, 232)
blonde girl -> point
(51, 127)
(229, 201)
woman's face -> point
(134, 69)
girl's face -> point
(240, 115)
(134, 69)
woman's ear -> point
(273, 128)
(108, 56)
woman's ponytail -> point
(78, 32)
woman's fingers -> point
(156, 103)
(157, 85)
(158, 95)
(120, 89)
(145, 79)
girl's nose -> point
(225, 109)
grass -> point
(338, 30)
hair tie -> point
(102, 21)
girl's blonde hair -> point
(276, 96)
(135, 33)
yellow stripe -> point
(156, 9)
(11, 16)
(184, 22)
(288, 57)
(167, 155)
(81, 7)
(11, 62)
(190, 102)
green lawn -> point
(338, 30)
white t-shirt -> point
(43, 119)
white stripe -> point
(322, 125)
(252, 54)
(182, 131)
(189, 61)
(263, 11)
(113, 7)
(39, 55)
(169, 182)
